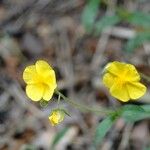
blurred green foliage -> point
(137, 19)
(147, 148)
(130, 113)
(28, 147)
(43, 103)
(138, 40)
(89, 14)
(103, 128)
(106, 21)
(58, 137)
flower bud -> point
(56, 116)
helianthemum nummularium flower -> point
(56, 116)
(123, 81)
(41, 81)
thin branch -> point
(83, 107)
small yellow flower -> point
(123, 81)
(41, 81)
(56, 116)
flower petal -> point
(43, 68)
(132, 74)
(136, 90)
(108, 79)
(47, 73)
(123, 69)
(48, 93)
(51, 120)
(50, 76)
(120, 92)
(35, 91)
(115, 68)
(30, 75)
(54, 118)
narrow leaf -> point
(89, 14)
(133, 113)
(146, 108)
(103, 128)
(66, 112)
(58, 137)
(105, 22)
(137, 41)
(139, 19)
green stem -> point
(59, 96)
(82, 107)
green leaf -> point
(58, 137)
(103, 128)
(123, 13)
(139, 19)
(147, 148)
(146, 108)
(137, 41)
(133, 113)
(106, 21)
(89, 14)
(66, 112)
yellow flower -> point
(123, 81)
(41, 81)
(56, 116)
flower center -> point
(42, 81)
(122, 79)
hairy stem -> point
(83, 107)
